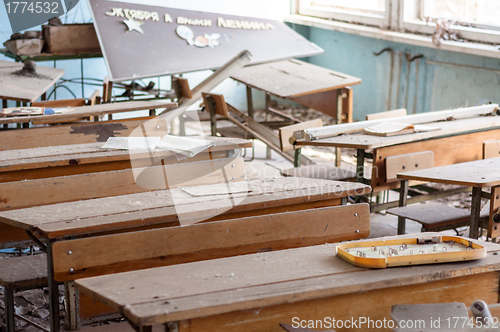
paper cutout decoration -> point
(133, 25)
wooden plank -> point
(479, 173)
(158, 207)
(95, 110)
(138, 250)
(493, 229)
(428, 117)
(376, 305)
(407, 162)
(386, 114)
(182, 85)
(14, 195)
(285, 133)
(293, 78)
(24, 88)
(469, 145)
(69, 134)
(491, 149)
(218, 100)
(250, 282)
(347, 107)
(60, 103)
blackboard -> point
(159, 50)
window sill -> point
(398, 37)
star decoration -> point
(133, 25)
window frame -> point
(400, 16)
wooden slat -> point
(94, 98)
(24, 88)
(407, 162)
(95, 110)
(174, 245)
(14, 195)
(376, 304)
(493, 227)
(445, 149)
(251, 282)
(220, 103)
(285, 133)
(491, 149)
(69, 134)
(60, 103)
(386, 114)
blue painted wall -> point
(435, 81)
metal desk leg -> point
(55, 320)
(9, 309)
(249, 102)
(360, 165)
(475, 212)
(296, 159)
(403, 195)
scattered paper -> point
(131, 143)
(218, 189)
(186, 146)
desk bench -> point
(257, 292)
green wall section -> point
(436, 80)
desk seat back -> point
(86, 257)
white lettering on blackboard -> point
(237, 24)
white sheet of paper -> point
(131, 143)
(388, 127)
(187, 146)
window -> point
(474, 20)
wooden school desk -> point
(257, 292)
(477, 174)
(456, 141)
(132, 213)
(72, 159)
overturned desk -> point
(316, 87)
(258, 292)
